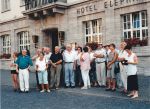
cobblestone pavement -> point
(94, 98)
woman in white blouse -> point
(132, 80)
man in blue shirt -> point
(23, 63)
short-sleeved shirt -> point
(69, 56)
(56, 57)
(102, 52)
(41, 64)
(131, 69)
(85, 65)
(24, 62)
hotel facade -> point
(37, 23)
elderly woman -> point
(132, 81)
(85, 68)
(41, 68)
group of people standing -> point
(106, 67)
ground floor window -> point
(24, 40)
(135, 26)
(6, 46)
(93, 31)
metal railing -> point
(31, 4)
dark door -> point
(54, 36)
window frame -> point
(6, 44)
(5, 5)
(23, 40)
(136, 30)
(94, 31)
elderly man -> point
(56, 66)
(69, 59)
(100, 54)
(47, 56)
(23, 63)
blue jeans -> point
(42, 75)
(69, 74)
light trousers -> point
(69, 74)
(123, 75)
(101, 73)
(85, 77)
(24, 79)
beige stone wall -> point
(14, 12)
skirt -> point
(132, 83)
(14, 72)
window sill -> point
(5, 11)
(5, 59)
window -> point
(135, 25)
(24, 41)
(5, 5)
(93, 32)
(6, 44)
(22, 2)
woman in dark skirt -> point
(132, 81)
(13, 72)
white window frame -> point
(5, 5)
(22, 2)
(24, 40)
(6, 44)
(93, 33)
(136, 29)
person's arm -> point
(17, 64)
(114, 59)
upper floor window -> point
(24, 40)
(93, 31)
(6, 44)
(135, 25)
(5, 5)
(22, 2)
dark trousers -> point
(92, 72)
(49, 75)
(37, 80)
(78, 76)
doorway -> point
(52, 35)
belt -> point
(100, 62)
(22, 68)
(68, 62)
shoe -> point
(21, 91)
(108, 89)
(89, 86)
(129, 95)
(27, 91)
(135, 96)
(42, 91)
(48, 91)
(103, 86)
(113, 90)
(15, 90)
(72, 86)
(84, 88)
(57, 88)
(66, 86)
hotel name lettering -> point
(96, 7)
(87, 9)
(113, 3)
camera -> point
(125, 62)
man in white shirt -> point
(69, 60)
(100, 55)
(47, 57)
